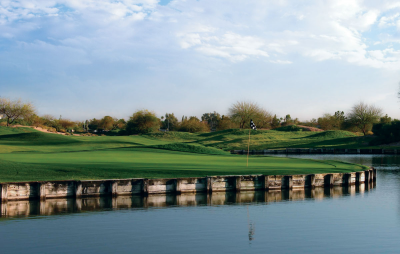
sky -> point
(85, 59)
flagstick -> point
(248, 150)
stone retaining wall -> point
(63, 206)
(318, 151)
(119, 187)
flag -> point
(252, 125)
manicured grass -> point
(28, 155)
(151, 163)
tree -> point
(311, 123)
(212, 119)
(120, 124)
(325, 122)
(332, 122)
(170, 123)
(107, 123)
(242, 112)
(275, 123)
(15, 109)
(225, 123)
(263, 119)
(287, 120)
(94, 124)
(338, 120)
(193, 124)
(66, 124)
(363, 116)
(385, 119)
(36, 120)
(142, 121)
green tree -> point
(67, 124)
(212, 119)
(107, 123)
(48, 120)
(385, 119)
(170, 123)
(325, 122)
(311, 123)
(332, 122)
(363, 116)
(263, 119)
(275, 123)
(120, 124)
(15, 109)
(288, 119)
(338, 120)
(94, 124)
(225, 123)
(142, 121)
(193, 124)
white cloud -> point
(389, 20)
(281, 62)
(232, 31)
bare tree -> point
(15, 109)
(363, 116)
(242, 112)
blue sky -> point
(85, 58)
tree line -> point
(361, 118)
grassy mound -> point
(333, 134)
(172, 135)
(10, 130)
(183, 147)
(226, 132)
(28, 135)
(291, 128)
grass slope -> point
(28, 155)
(273, 139)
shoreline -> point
(142, 186)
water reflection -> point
(251, 225)
(381, 161)
(12, 209)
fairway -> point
(27, 155)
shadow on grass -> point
(38, 138)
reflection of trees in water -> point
(381, 162)
(386, 161)
(252, 228)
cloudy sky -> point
(89, 58)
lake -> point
(363, 219)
